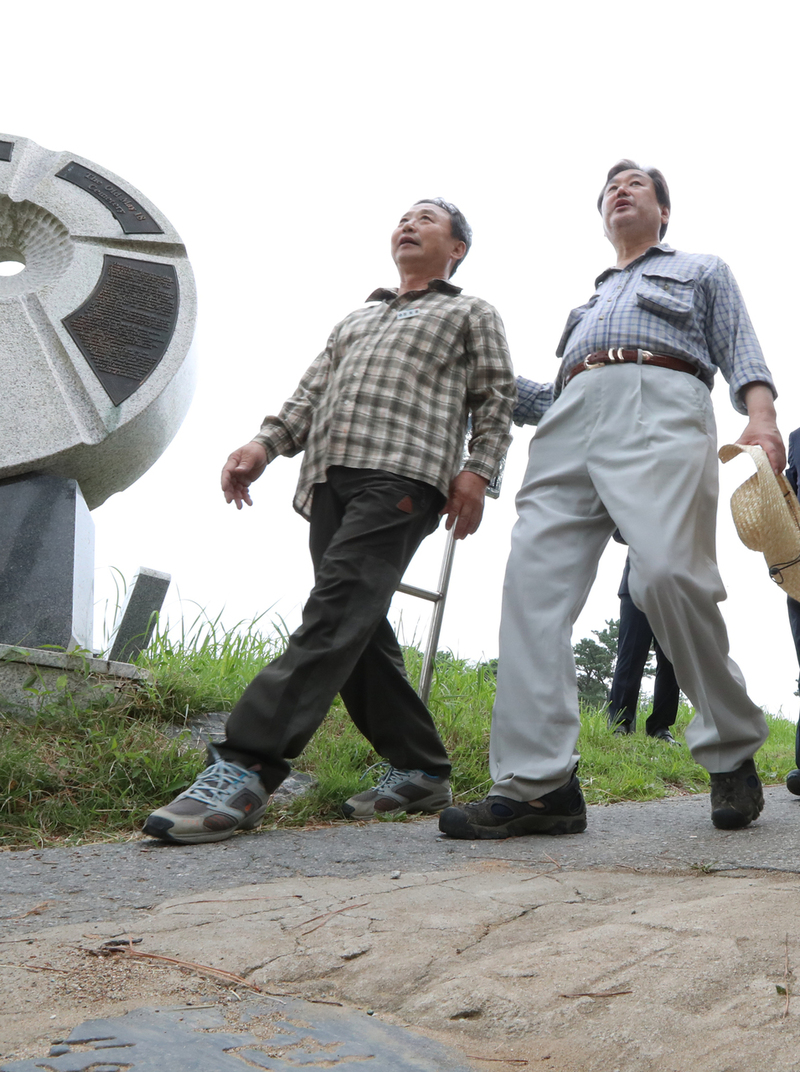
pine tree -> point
(595, 663)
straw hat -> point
(767, 517)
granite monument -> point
(96, 373)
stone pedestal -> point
(32, 680)
(46, 563)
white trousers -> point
(633, 448)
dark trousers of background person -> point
(366, 525)
(794, 622)
(633, 649)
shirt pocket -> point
(434, 340)
(670, 295)
(574, 318)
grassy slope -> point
(91, 774)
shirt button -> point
(601, 317)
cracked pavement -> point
(652, 941)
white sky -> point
(283, 141)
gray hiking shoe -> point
(400, 791)
(736, 797)
(224, 799)
(561, 812)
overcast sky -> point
(284, 141)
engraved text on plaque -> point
(124, 327)
(132, 218)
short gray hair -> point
(459, 228)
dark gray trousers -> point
(633, 649)
(366, 525)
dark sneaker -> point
(793, 782)
(736, 797)
(563, 812)
(224, 799)
(400, 791)
(664, 735)
(619, 725)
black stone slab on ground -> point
(46, 563)
(276, 1035)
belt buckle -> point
(612, 357)
(587, 364)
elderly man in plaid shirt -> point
(626, 440)
(381, 415)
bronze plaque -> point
(6, 149)
(124, 327)
(132, 218)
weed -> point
(94, 771)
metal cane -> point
(439, 596)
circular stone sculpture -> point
(95, 372)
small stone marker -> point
(137, 618)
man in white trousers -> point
(626, 440)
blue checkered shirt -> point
(684, 304)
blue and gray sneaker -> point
(225, 798)
(400, 791)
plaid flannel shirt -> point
(393, 389)
(684, 304)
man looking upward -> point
(381, 415)
(628, 443)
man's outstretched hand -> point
(243, 467)
(464, 506)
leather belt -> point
(616, 355)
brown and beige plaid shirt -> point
(394, 387)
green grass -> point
(79, 775)
(206, 667)
(95, 773)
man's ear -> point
(664, 214)
(459, 252)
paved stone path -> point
(126, 882)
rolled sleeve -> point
(731, 339)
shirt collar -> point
(660, 247)
(388, 294)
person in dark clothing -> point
(633, 649)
